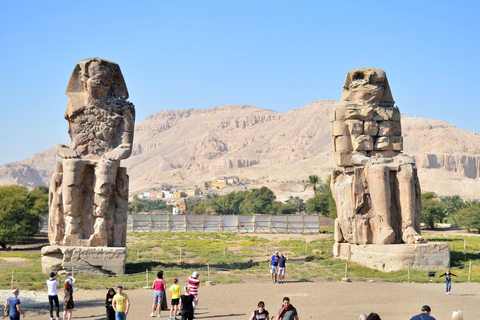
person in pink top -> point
(159, 287)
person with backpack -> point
(261, 313)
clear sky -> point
(276, 55)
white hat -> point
(195, 274)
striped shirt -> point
(193, 283)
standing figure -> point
(52, 283)
(282, 267)
(68, 304)
(287, 311)
(158, 293)
(273, 265)
(175, 294)
(108, 304)
(448, 280)
(375, 186)
(94, 189)
(14, 306)
(121, 304)
(187, 303)
(193, 284)
(424, 314)
(261, 313)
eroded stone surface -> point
(99, 260)
(88, 189)
(376, 186)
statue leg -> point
(406, 185)
(105, 175)
(378, 178)
(73, 174)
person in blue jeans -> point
(14, 304)
(448, 278)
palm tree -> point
(312, 182)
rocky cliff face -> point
(188, 146)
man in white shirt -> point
(52, 293)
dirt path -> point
(314, 300)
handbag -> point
(6, 311)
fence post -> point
(464, 244)
(306, 247)
(224, 251)
(346, 268)
(409, 273)
(73, 272)
(147, 276)
(208, 270)
(469, 270)
(12, 278)
(180, 254)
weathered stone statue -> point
(89, 191)
(182, 206)
(375, 186)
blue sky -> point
(276, 55)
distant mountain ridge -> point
(184, 147)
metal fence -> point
(220, 223)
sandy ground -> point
(313, 300)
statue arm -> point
(124, 150)
(65, 152)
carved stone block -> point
(383, 143)
(370, 128)
(363, 143)
(355, 127)
(385, 128)
(343, 143)
(339, 128)
(397, 143)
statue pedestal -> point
(392, 257)
(97, 260)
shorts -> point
(158, 296)
(273, 269)
(175, 302)
(196, 297)
(281, 271)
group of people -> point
(277, 267)
(286, 312)
(180, 303)
(424, 315)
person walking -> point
(108, 304)
(448, 279)
(287, 311)
(193, 284)
(14, 304)
(187, 302)
(261, 313)
(52, 284)
(281, 267)
(159, 287)
(175, 293)
(68, 304)
(274, 266)
(424, 314)
(120, 304)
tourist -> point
(287, 311)
(373, 316)
(362, 316)
(448, 279)
(193, 284)
(52, 284)
(175, 293)
(159, 287)
(68, 304)
(261, 313)
(108, 304)
(424, 315)
(120, 304)
(281, 267)
(14, 304)
(187, 302)
(457, 315)
(274, 266)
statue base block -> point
(97, 260)
(392, 257)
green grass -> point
(228, 255)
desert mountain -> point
(184, 147)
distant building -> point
(219, 183)
(191, 192)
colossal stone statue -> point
(88, 190)
(375, 186)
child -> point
(175, 293)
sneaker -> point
(448, 292)
(51, 318)
(58, 318)
(152, 315)
(160, 316)
(194, 317)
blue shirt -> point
(281, 262)
(422, 316)
(13, 302)
(274, 260)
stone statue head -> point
(366, 86)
